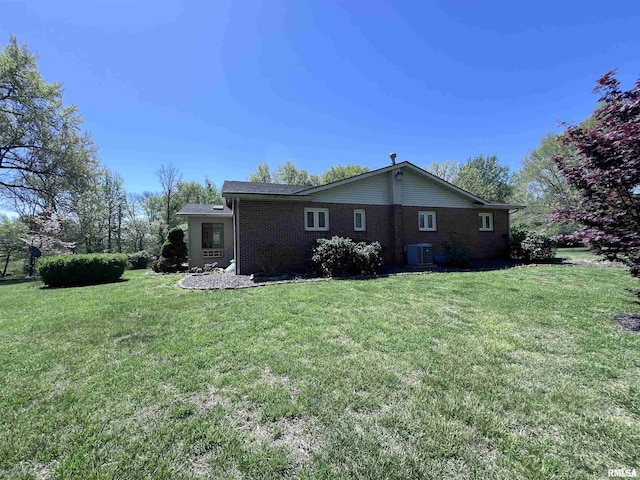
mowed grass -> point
(578, 253)
(517, 373)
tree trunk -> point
(109, 231)
(119, 237)
(6, 263)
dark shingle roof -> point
(230, 187)
(203, 209)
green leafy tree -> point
(194, 192)
(542, 187)
(341, 172)
(262, 174)
(169, 177)
(12, 233)
(288, 174)
(152, 206)
(447, 170)
(136, 226)
(211, 194)
(115, 199)
(44, 156)
(88, 225)
(97, 220)
(486, 178)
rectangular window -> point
(316, 219)
(359, 220)
(212, 235)
(486, 222)
(427, 221)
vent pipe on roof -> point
(392, 156)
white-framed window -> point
(316, 219)
(359, 220)
(427, 221)
(486, 222)
(212, 235)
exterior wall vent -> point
(420, 254)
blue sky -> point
(217, 87)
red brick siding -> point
(462, 226)
(282, 223)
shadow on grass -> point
(47, 287)
(476, 266)
(13, 281)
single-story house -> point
(267, 226)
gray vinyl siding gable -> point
(419, 191)
(373, 190)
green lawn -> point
(578, 253)
(508, 374)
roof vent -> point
(393, 156)
(218, 207)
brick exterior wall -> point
(279, 225)
(462, 226)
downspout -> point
(509, 220)
(236, 216)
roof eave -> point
(499, 206)
(204, 214)
(261, 196)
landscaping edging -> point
(231, 281)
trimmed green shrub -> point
(456, 255)
(138, 260)
(531, 246)
(86, 269)
(173, 252)
(340, 256)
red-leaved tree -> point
(604, 169)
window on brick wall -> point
(427, 221)
(359, 220)
(486, 222)
(316, 219)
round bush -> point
(138, 260)
(531, 246)
(339, 256)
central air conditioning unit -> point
(420, 254)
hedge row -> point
(87, 269)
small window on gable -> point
(316, 219)
(427, 221)
(359, 220)
(486, 222)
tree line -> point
(583, 183)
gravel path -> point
(198, 281)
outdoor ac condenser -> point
(420, 254)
